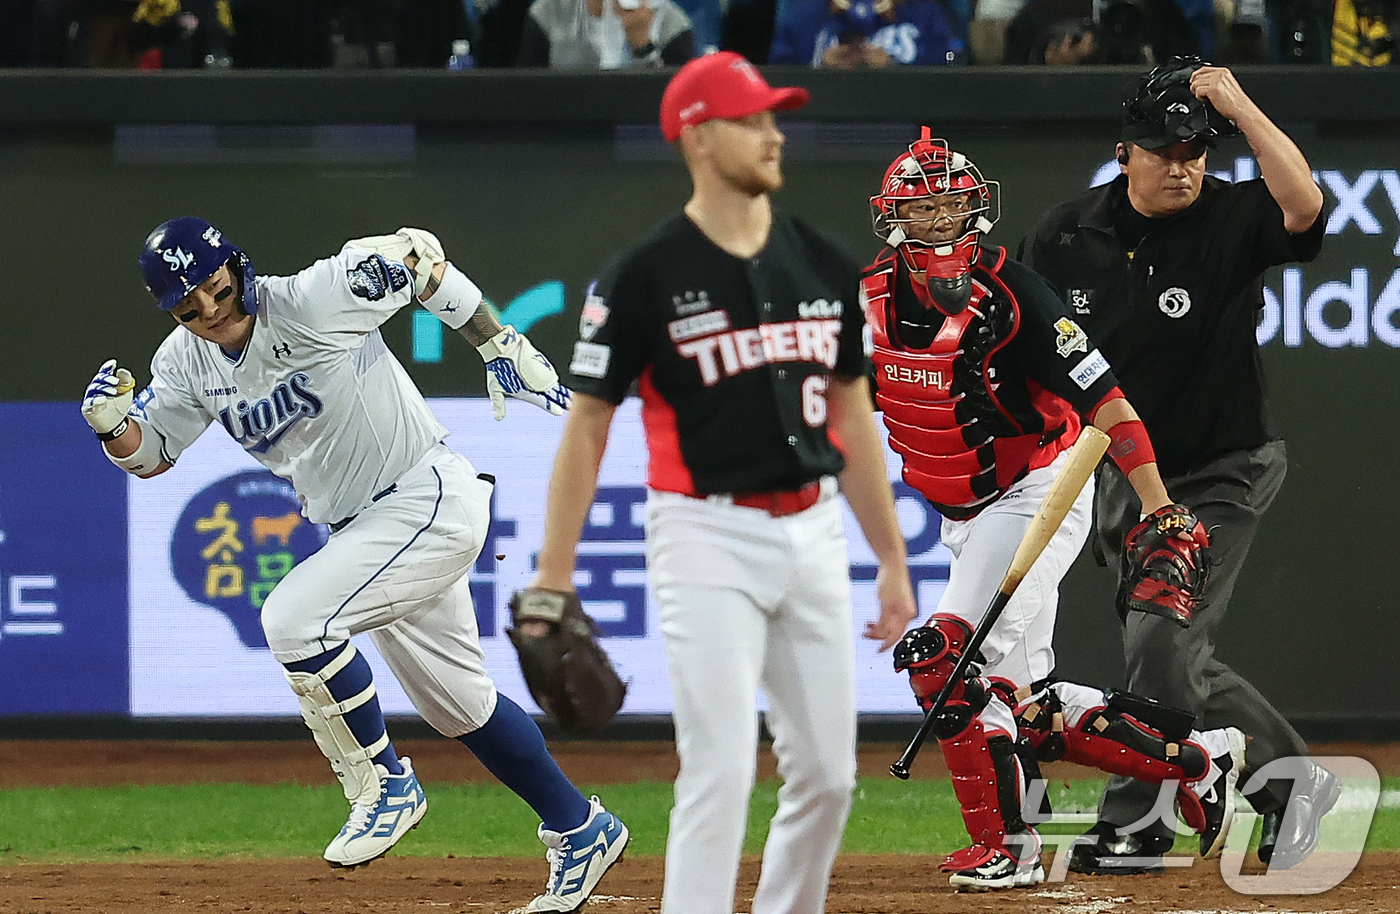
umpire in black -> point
(1163, 267)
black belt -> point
(340, 524)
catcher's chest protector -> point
(961, 447)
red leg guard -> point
(929, 654)
(1118, 743)
(1128, 747)
(986, 775)
(987, 781)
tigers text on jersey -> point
(315, 396)
(731, 355)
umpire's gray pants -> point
(1177, 666)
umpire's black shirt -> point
(730, 355)
(1173, 303)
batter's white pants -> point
(751, 601)
(1019, 646)
(399, 572)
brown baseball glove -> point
(1165, 574)
(569, 675)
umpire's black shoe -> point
(1103, 852)
(1281, 848)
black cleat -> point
(1103, 852)
(1289, 835)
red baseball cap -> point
(722, 85)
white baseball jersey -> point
(315, 396)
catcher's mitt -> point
(1164, 574)
(569, 675)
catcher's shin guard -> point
(987, 780)
(1035, 804)
(986, 774)
(1117, 738)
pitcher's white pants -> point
(751, 601)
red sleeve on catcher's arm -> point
(1129, 445)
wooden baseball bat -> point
(1068, 483)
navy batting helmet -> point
(182, 253)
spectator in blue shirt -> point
(850, 34)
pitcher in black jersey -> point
(739, 326)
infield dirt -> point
(893, 884)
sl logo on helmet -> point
(179, 259)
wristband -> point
(455, 300)
(1129, 446)
(115, 433)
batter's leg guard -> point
(325, 715)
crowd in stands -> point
(617, 34)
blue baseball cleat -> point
(579, 858)
(375, 827)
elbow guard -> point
(145, 458)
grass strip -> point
(72, 824)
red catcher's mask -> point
(930, 169)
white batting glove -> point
(514, 367)
(108, 397)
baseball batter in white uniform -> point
(295, 370)
(741, 329)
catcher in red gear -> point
(985, 380)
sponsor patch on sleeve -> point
(590, 359)
(374, 277)
(595, 313)
(1090, 369)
